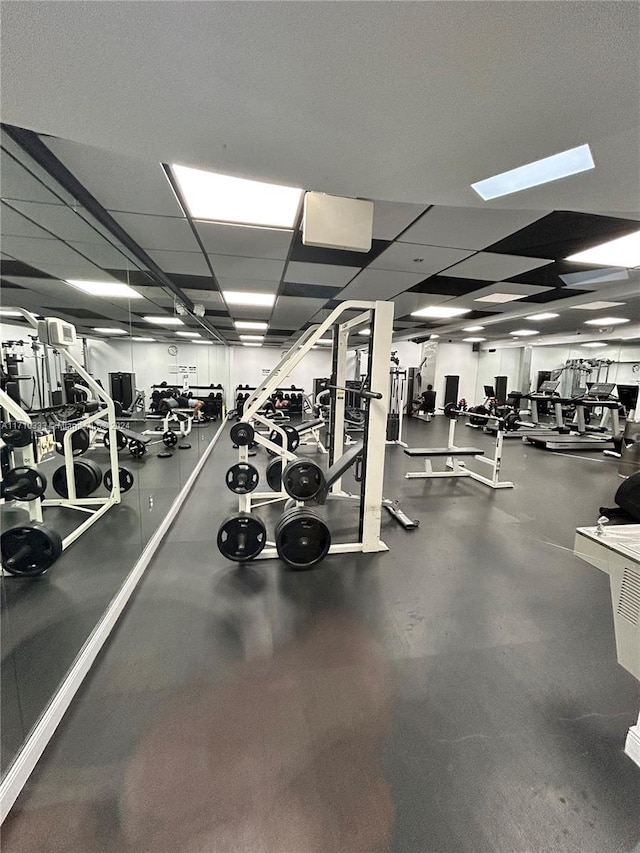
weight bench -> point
(311, 431)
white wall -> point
(248, 363)
(502, 362)
(456, 360)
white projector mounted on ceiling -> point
(333, 222)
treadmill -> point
(545, 394)
(580, 438)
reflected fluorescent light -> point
(439, 311)
(473, 340)
(606, 321)
(473, 329)
(250, 324)
(223, 198)
(524, 332)
(594, 276)
(598, 306)
(109, 330)
(251, 337)
(433, 337)
(325, 341)
(206, 343)
(251, 345)
(570, 162)
(500, 297)
(593, 344)
(240, 297)
(621, 252)
(546, 315)
(104, 288)
(189, 334)
(365, 332)
(142, 339)
(9, 312)
(164, 321)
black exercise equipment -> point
(242, 478)
(302, 538)
(86, 474)
(510, 422)
(293, 438)
(16, 434)
(184, 447)
(627, 499)
(359, 392)
(121, 440)
(125, 477)
(137, 448)
(166, 454)
(339, 467)
(30, 549)
(241, 537)
(303, 479)
(23, 484)
(274, 474)
(474, 411)
(80, 441)
(242, 433)
(169, 438)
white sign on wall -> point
(265, 371)
(182, 368)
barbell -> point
(509, 423)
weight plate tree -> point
(87, 476)
(274, 474)
(302, 539)
(24, 484)
(241, 537)
(242, 478)
(293, 438)
(242, 434)
(125, 477)
(29, 550)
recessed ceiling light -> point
(141, 338)
(240, 297)
(473, 340)
(249, 324)
(606, 321)
(109, 330)
(189, 334)
(440, 311)
(524, 332)
(164, 321)
(473, 329)
(546, 315)
(104, 288)
(593, 344)
(561, 165)
(223, 198)
(251, 337)
(251, 345)
(621, 252)
(598, 306)
(500, 297)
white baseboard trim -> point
(26, 760)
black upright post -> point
(451, 389)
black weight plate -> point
(184, 447)
(125, 477)
(15, 434)
(80, 441)
(87, 476)
(121, 440)
(242, 433)
(30, 549)
(169, 438)
(165, 455)
(450, 411)
(303, 479)
(302, 539)
(137, 448)
(241, 537)
(293, 438)
(274, 474)
(24, 484)
(242, 478)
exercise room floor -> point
(457, 693)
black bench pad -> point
(443, 451)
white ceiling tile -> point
(467, 227)
(490, 266)
(14, 224)
(405, 303)
(244, 241)
(211, 298)
(18, 183)
(469, 300)
(251, 286)
(188, 263)
(249, 312)
(79, 269)
(294, 310)
(61, 220)
(103, 254)
(409, 257)
(39, 253)
(379, 284)
(164, 233)
(330, 275)
(261, 269)
(391, 217)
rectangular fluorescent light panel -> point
(251, 337)
(546, 315)
(104, 288)
(164, 321)
(524, 332)
(440, 311)
(255, 300)
(473, 329)
(622, 252)
(250, 325)
(223, 198)
(593, 344)
(142, 339)
(606, 321)
(245, 344)
(561, 165)
(500, 297)
(108, 330)
(207, 343)
(188, 334)
(473, 340)
(598, 306)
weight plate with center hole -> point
(478, 410)
(293, 438)
(24, 484)
(169, 438)
(15, 434)
(241, 537)
(87, 476)
(303, 479)
(125, 477)
(30, 549)
(450, 411)
(242, 434)
(80, 440)
(121, 440)
(302, 539)
(512, 422)
(137, 448)
(274, 474)
(242, 478)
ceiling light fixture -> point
(109, 330)
(473, 340)
(189, 334)
(223, 198)
(546, 315)
(251, 337)
(599, 306)
(621, 252)
(606, 321)
(570, 162)
(141, 338)
(524, 332)
(207, 343)
(500, 297)
(441, 311)
(593, 344)
(104, 288)
(164, 321)
(245, 344)
(433, 337)
(250, 324)
(256, 300)
(473, 329)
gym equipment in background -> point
(397, 387)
